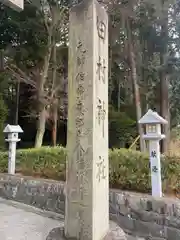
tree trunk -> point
(164, 81)
(110, 89)
(41, 121)
(40, 129)
(137, 98)
(55, 103)
(164, 108)
(110, 73)
(119, 96)
(1, 60)
(17, 102)
(54, 124)
(135, 87)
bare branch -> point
(20, 75)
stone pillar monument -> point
(152, 122)
(87, 177)
(87, 189)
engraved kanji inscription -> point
(101, 169)
(81, 223)
(80, 60)
(83, 169)
(82, 132)
(84, 230)
(83, 183)
(80, 90)
(80, 111)
(79, 132)
(79, 106)
(101, 28)
(80, 152)
(79, 45)
(153, 154)
(80, 121)
(154, 169)
(80, 77)
(101, 67)
(80, 54)
(101, 115)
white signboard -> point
(17, 5)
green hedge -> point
(129, 170)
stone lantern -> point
(152, 122)
(12, 139)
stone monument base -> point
(115, 233)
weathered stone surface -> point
(87, 188)
(115, 233)
(56, 234)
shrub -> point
(44, 162)
(129, 170)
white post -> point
(154, 153)
(12, 158)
